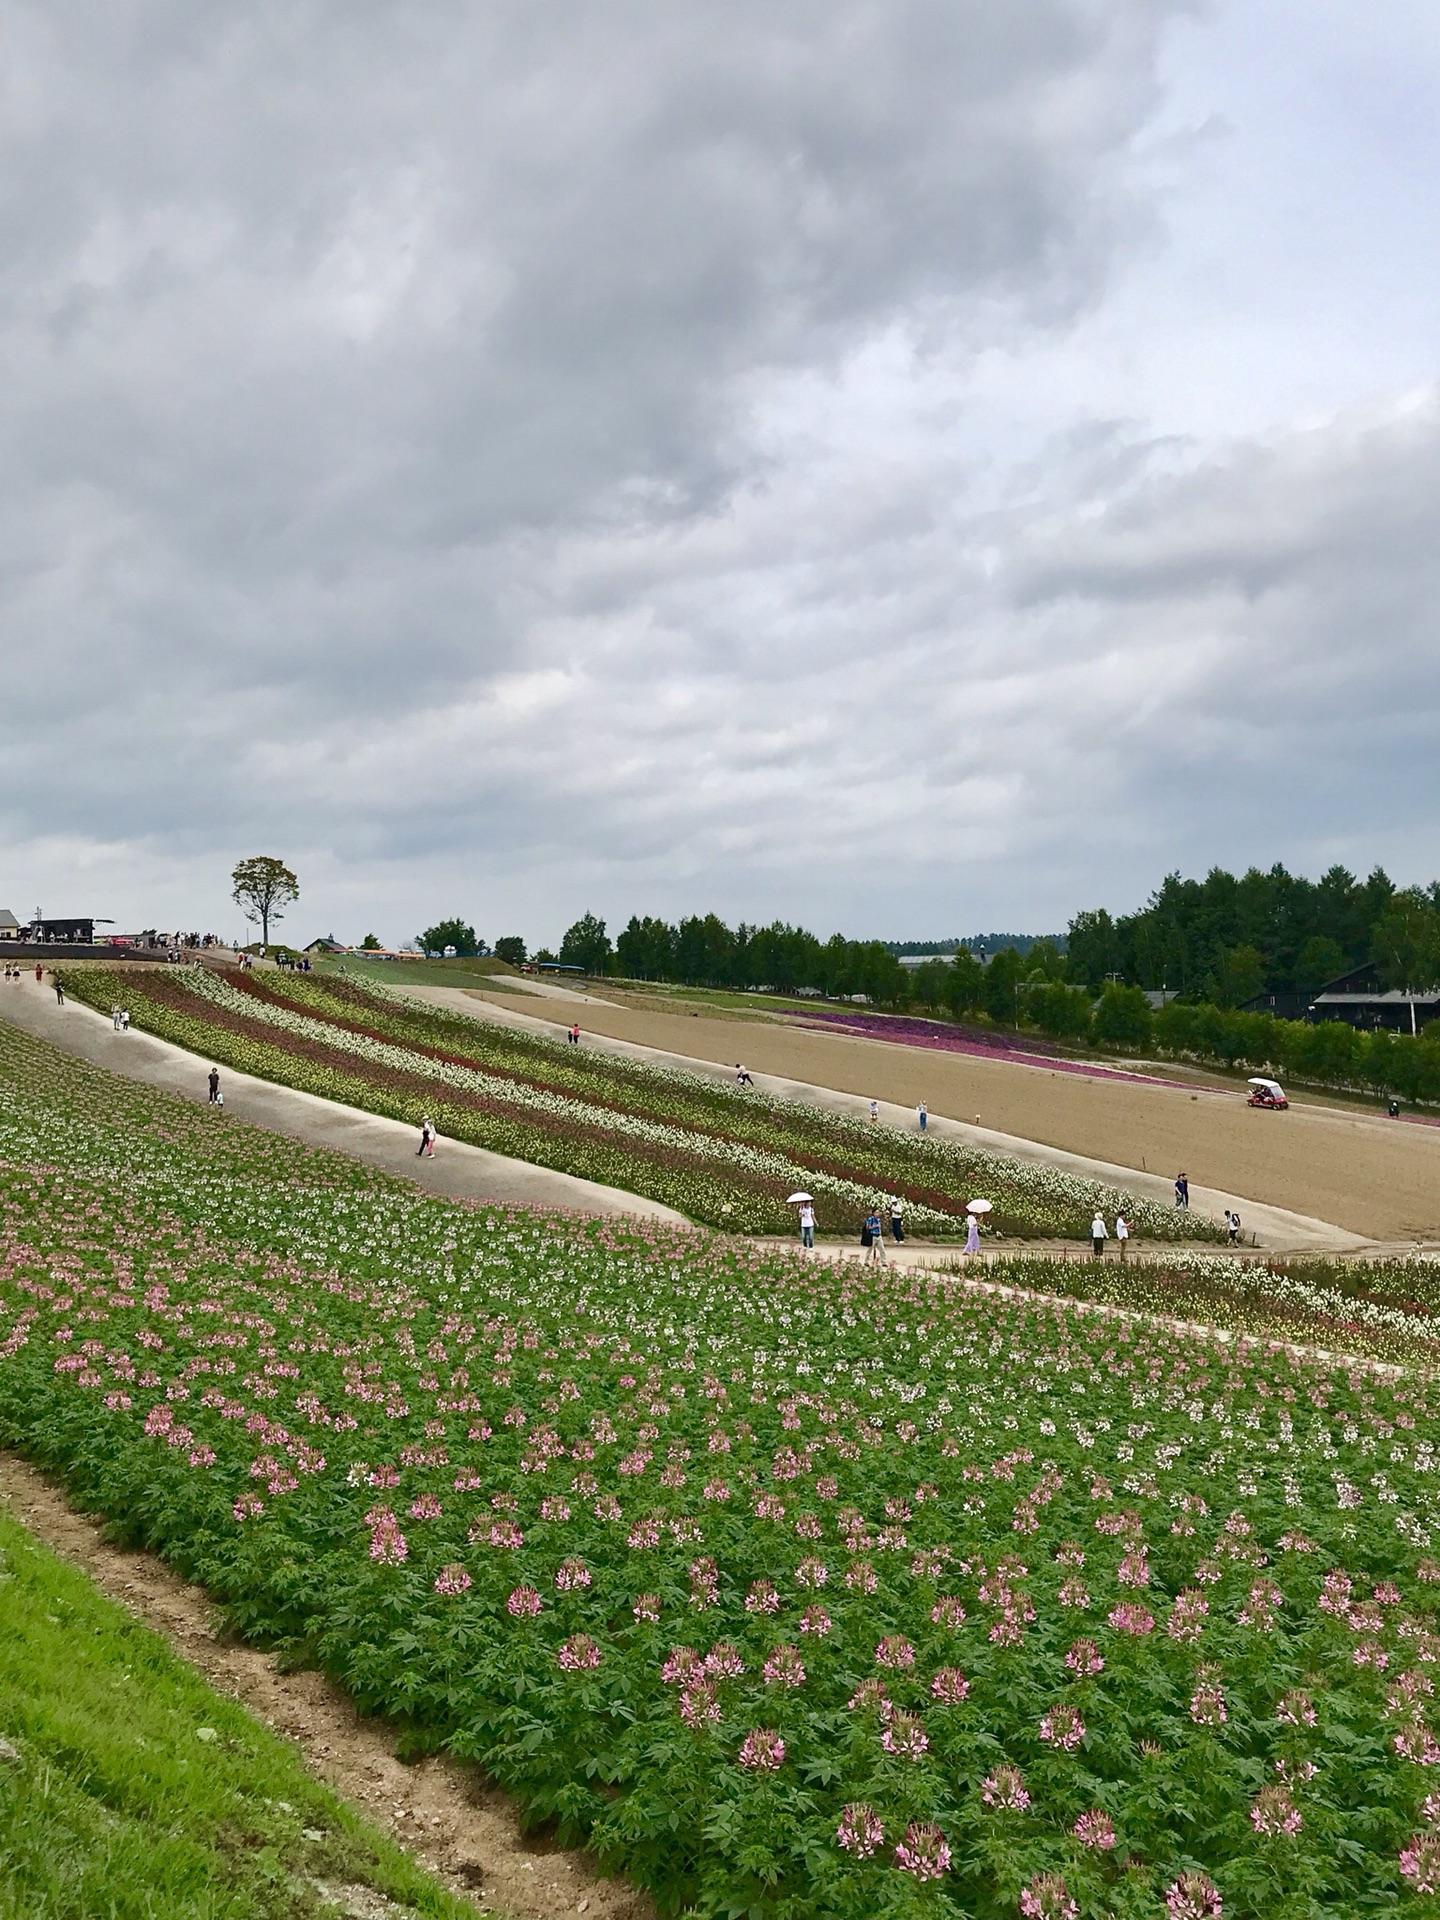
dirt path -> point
(463, 1172)
(1275, 1228)
(1363, 1174)
(446, 1814)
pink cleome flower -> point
(1062, 1727)
(248, 1507)
(812, 1572)
(869, 1697)
(698, 1705)
(762, 1751)
(762, 1597)
(923, 1852)
(1084, 1660)
(861, 1577)
(1005, 1791)
(815, 1620)
(1073, 1592)
(785, 1668)
(1295, 1709)
(905, 1736)
(950, 1686)
(578, 1653)
(427, 1507)
(947, 1612)
(524, 1603)
(683, 1666)
(554, 1508)
(1420, 1863)
(1095, 1829)
(1207, 1705)
(1187, 1616)
(1194, 1896)
(452, 1579)
(860, 1830)
(1130, 1617)
(724, 1661)
(895, 1651)
(1047, 1898)
(571, 1576)
(647, 1607)
(1275, 1813)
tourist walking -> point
(1232, 1227)
(115, 1016)
(874, 1109)
(742, 1076)
(1099, 1234)
(214, 1085)
(575, 1034)
(427, 1139)
(1182, 1190)
(876, 1232)
(924, 1118)
(897, 1221)
(1122, 1232)
(807, 1225)
(59, 991)
(972, 1234)
(124, 1019)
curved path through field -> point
(461, 1171)
(1275, 1228)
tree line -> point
(1225, 939)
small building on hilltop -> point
(10, 928)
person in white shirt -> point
(807, 1225)
(1122, 1232)
(1099, 1234)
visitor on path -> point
(59, 991)
(39, 974)
(427, 1139)
(897, 1221)
(972, 1234)
(1182, 1190)
(924, 1118)
(807, 1225)
(1122, 1232)
(124, 1019)
(214, 1085)
(115, 1016)
(874, 1109)
(876, 1255)
(742, 1076)
(1099, 1234)
(1232, 1227)
(575, 1034)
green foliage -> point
(1406, 943)
(1178, 937)
(965, 988)
(131, 1788)
(511, 949)
(370, 944)
(263, 887)
(1003, 987)
(449, 933)
(1060, 1011)
(1122, 1018)
(586, 945)
(1236, 975)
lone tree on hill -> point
(263, 888)
(586, 945)
(449, 933)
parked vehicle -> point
(1266, 1093)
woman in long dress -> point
(972, 1234)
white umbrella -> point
(978, 1206)
(796, 1198)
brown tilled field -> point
(1363, 1172)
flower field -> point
(802, 1589)
(717, 1154)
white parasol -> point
(796, 1199)
(978, 1206)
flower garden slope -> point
(803, 1591)
(710, 1151)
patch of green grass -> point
(131, 1790)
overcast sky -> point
(909, 466)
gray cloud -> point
(533, 457)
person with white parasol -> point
(807, 1217)
(973, 1211)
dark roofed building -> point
(1359, 998)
